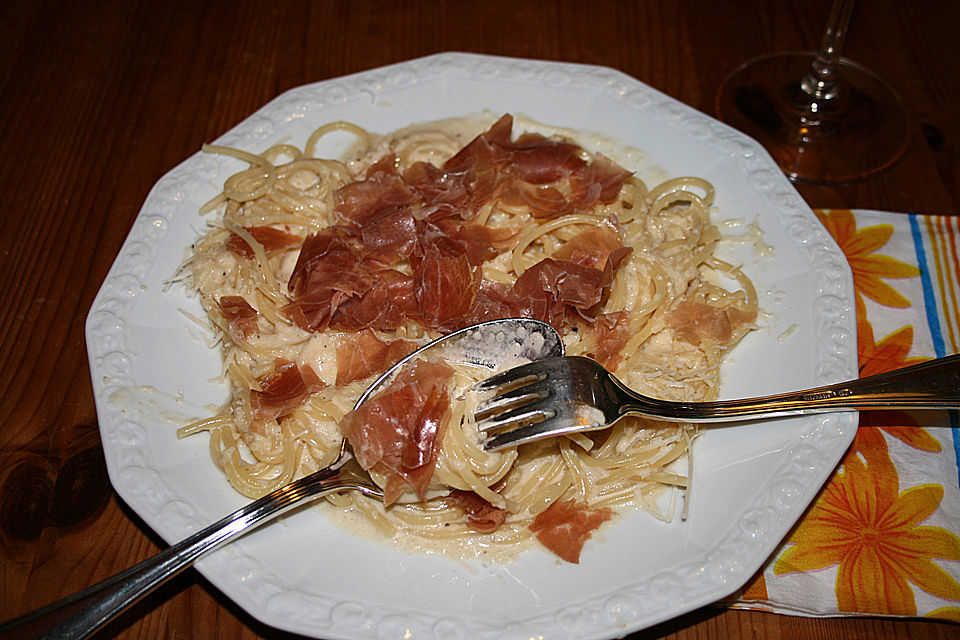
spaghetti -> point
(318, 274)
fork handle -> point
(934, 384)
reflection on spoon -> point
(496, 344)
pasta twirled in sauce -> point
(321, 273)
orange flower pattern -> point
(859, 246)
(875, 535)
(871, 531)
(878, 357)
(945, 613)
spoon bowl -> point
(495, 345)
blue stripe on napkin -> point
(933, 322)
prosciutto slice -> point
(590, 248)
(481, 515)
(446, 289)
(539, 160)
(383, 193)
(391, 239)
(613, 333)
(564, 527)
(283, 390)
(549, 289)
(390, 300)
(440, 190)
(241, 317)
(534, 170)
(697, 322)
(404, 248)
(397, 432)
(494, 301)
(323, 255)
(328, 273)
(273, 241)
(598, 181)
(364, 354)
(574, 279)
(451, 238)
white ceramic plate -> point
(149, 367)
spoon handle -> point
(79, 615)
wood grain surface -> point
(99, 99)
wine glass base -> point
(861, 132)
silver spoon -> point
(494, 344)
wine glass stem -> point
(821, 81)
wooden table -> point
(100, 99)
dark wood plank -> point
(99, 100)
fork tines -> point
(514, 377)
(519, 398)
(510, 390)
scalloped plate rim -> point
(444, 65)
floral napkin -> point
(883, 536)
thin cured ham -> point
(480, 514)
(391, 239)
(361, 355)
(574, 279)
(440, 190)
(283, 390)
(328, 273)
(388, 302)
(613, 333)
(397, 432)
(539, 160)
(451, 237)
(544, 201)
(591, 248)
(350, 276)
(492, 302)
(241, 317)
(383, 193)
(272, 240)
(446, 289)
(323, 257)
(564, 527)
(534, 170)
(549, 289)
(598, 181)
(698, 322)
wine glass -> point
(823, 118)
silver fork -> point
(570, 394)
